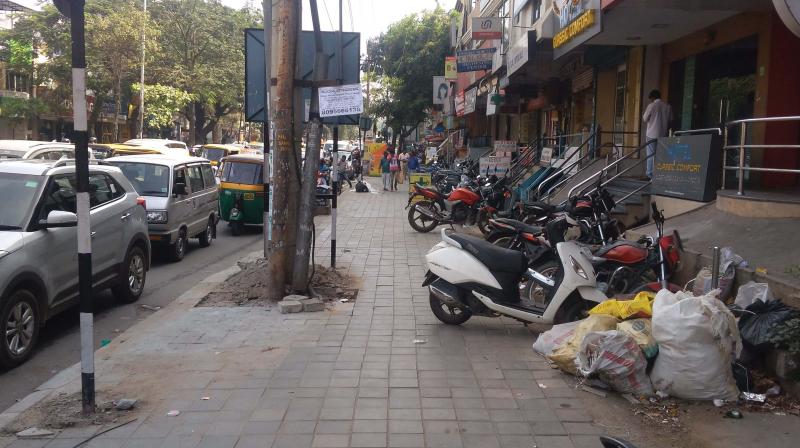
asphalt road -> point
(59, 340)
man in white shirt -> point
(657, 117)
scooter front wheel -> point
(447, 314)
(420, 222)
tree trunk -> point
(287, 24)
(117, 103)
(199, 123)
(190, 118)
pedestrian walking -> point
(657, 117)
(386, 172)
(343, 173)
(413, 163)
(356, 163)
(394, 169)
(403, 165)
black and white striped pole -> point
(74, 10)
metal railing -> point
(743, 146)
(566, 167)
(698, 131)
(527, 158)
(606, 169)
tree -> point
(114, 49)
(407, 57)
(162, 103)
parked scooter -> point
(467, 275)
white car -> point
(30, 149)
(174, 147)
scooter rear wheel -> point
(447, 314)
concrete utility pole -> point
(305, 219)
(287, 25)
(267, 5)
(141, 77)
(74, 10)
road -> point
(59, 340)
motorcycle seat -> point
(623, 251)
(497, 259)
(520, 226)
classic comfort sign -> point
(578, 21)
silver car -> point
(182, 198)
(39, 249)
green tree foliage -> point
(163, 103)
(407, 57)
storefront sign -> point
(470, 100)
(487, 28)
(578, 21)
(503, 146)
(521, 52)
(688, 167)
(474, 60)
(547, 155)
(494, 166)
(441, 89)
(459, 104)
(450, 68)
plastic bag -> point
(564, 355)
(641, 330)
(554, 337)
(756, 325)
(616, 359)
(752, 291)
(728, 262)
(697, 341)
(640, 306)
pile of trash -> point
(669, 344)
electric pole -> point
(74, 10)
(287, 26)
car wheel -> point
(208, 234)
(178, 249)
(132, 277)
(19, 328)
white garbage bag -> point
(617, 360)
(752, 291)
(554, 337)
(697, 340)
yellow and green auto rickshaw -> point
(215, 153)
(241, 191)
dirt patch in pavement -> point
(65, 411)
(248, 287)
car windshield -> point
(147, 178)
(213, 154)
(19, 191)
(9, 155)
(328, 147)
(242, 173)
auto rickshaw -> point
(214, 153)
(241, 191)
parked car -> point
(181, 195)
(214, 153)
(173, 147)
(30, 149)
(38, 245)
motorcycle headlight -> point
(156, 216)
(577, 267)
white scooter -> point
(469, 276)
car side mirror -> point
(59, 218)
(179, 189)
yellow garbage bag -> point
(564, 356)
(640, 306)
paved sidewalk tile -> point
(380, 371)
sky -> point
(369, 17)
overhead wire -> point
(352, 24)
(325, 6)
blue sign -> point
(474, 60)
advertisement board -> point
(502, 146)
(340, 100)
(423, 179)
(493, 165)
(688, 167)
(578, 21)
(474, 60)
(547, 155)
(459, 104)
(441, 89)
(487, 28)
(470, 100)
(450, 68)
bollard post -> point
(715, 269)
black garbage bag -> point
(758, 321)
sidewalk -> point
(351, 376)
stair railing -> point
(566, 168)
(527, 158)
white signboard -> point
(493, 165)
(441, 89)
(504, 146)
(487, 28)
(470, 100)
(547, 155)
(340, 100)
(518, 54)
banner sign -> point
(440, 90)
(492, 165)
(578, 21)
(547, 155)
(340, 100)
(521, 52)
(459, 104)
(470, 100)
(487, 28)
(450, 68)
(474, 60)
(501, 146)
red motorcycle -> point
(460, 206)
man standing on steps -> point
(657, 117)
